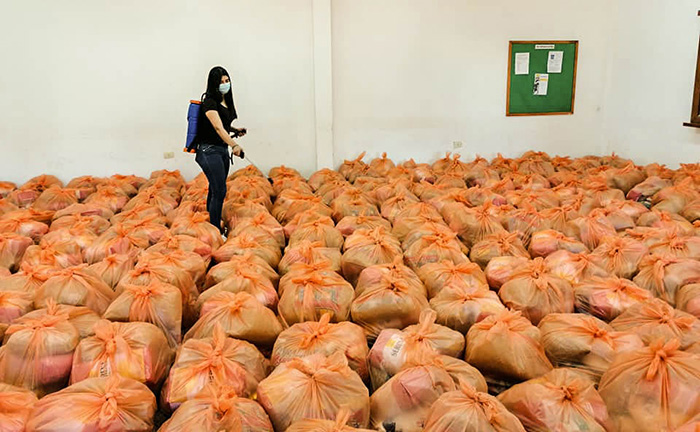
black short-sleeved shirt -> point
(206, 134)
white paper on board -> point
(522, 63)
(554, 61)
(541, 84)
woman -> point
(213, 139)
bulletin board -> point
(541, 77)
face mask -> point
(224, 88)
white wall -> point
(651, 81)
(100, 86)
(412, 76)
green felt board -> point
(559, 98)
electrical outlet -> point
(456, 144)
(168, 155)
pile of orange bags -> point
(16, 405)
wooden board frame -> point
(510, 65)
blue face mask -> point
(224, 88)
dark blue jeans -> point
(215, 163)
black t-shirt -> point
(206, 134)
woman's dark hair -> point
(213, 82)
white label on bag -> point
(394, 353)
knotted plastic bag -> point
(652, 389)
(16, 405)
(135, 350)
(217, 360)
(507, 347)
(315, 386)
(218, 409)
(96, 404)
(324, 337)
(466, 409)
(563, 399)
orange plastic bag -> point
(688, 299)
(395, 348)
(143, 211)
(249, 261)
(309, 297)
(76, 286)
(466, 409)
(241, 316)
(619, 256)
(563, 399)
(606, 298)
(373, 275)
(316, 425)
(113, 268)
(198, 226)
(591, 229)
(360, 205)
(12, 248)
(679, 246)
(183, 242)
(14, 304)
(156, 303)
(665, 275)
(135, 350)
(16, 405)
(446, 274)
(314, 387)
(244, 279)
(664, 220)
(28, 278)
(55, 253)
(321, 230)
(500, 269)
(665, 382)
(349, 168)
(117, 240)
(403, 402)
(217, 360)
(433, 249)
(323, 176)
(20, 223)
(536, 292)
(56, 198)
(266, 248)
(459, 307)
(262, 221)
(472, 224)
(584, 342)
(391, 303)
(368, 247)
(81, 236)
(323, 337)
(496, 245)
(546, 242)
(215, 410)
(525, 221)
(146, 272)
(654, 319)
(112, 198)
(394, 206)
(573, 267)
(311, 253)
(96, 404)
(507, 347)
(349, 224)
(38, 351)
(191, 262)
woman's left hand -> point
(240, 132)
